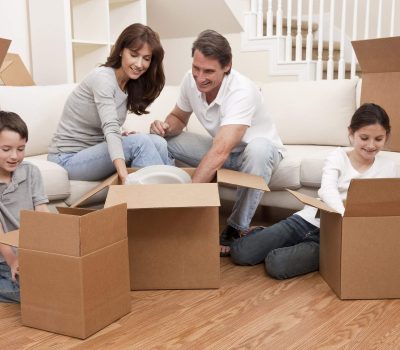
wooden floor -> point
(249, 311)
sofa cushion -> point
(302, 166)
(55, 177)
(40, 107)
(312, 112)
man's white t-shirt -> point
(336, 177)
(239, 101)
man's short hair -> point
(12, 121)
(214, 45)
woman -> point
(88, 142)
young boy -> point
(21, 187)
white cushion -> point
(40, 107)
(55, 177)
(293, 169)
(312, 112)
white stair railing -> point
(334, 26)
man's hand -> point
(160, 128)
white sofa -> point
(312, 119)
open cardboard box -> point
(74, 269)
(12, 70)
(380, 65)
(359, 252)
(173, 229)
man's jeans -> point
(260, 157)
(289, 248)
(9, 290)
(94, 163)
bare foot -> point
(225, 250)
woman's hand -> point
(126, 133)
(14, 267)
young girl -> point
(88, 141)
(291, 247)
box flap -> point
(378, 55)
(4, 45)
(112, 180)
(231, 177)
(164, 195)
(15, 73)
(373, 197)
(102, 228)
(314, 202)
(10, 238)
(74, 211)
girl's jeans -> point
(94, 163)
(260, 157)
(9, 290)
(288, 248)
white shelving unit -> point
(71, 37)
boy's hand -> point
(158, 127)
(11, 260)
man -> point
(230, 107)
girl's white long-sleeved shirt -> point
(336, 176)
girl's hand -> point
(126, 133)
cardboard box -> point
(173, 230)
(12, 70)
(380, 65)
(74, 269)
(359, 252)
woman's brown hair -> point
(143, 91)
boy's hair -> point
(12, 121)
(212, 44)
(370, 114)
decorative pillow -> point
(312, 112)
(40, 107)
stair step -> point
(304, 26)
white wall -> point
(14, 26)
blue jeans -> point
(289, 248)
(9, 290)
(94, 163)
(260, 157)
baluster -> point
(309, 45)
(366, 29)
(289, 40)
(379, 24)
(279, 19)
(320, 40)
(260, 19)
(329, 73)
(392, 18)
(353, 55)
(299, 43)
(341, 68)
(270, 19)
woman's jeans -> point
(259, 157)
(94, 163)
(9, 290)
(288, 248)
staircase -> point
(316, 43)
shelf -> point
(123, 14)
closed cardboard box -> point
(74, 269)
(359, 252)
